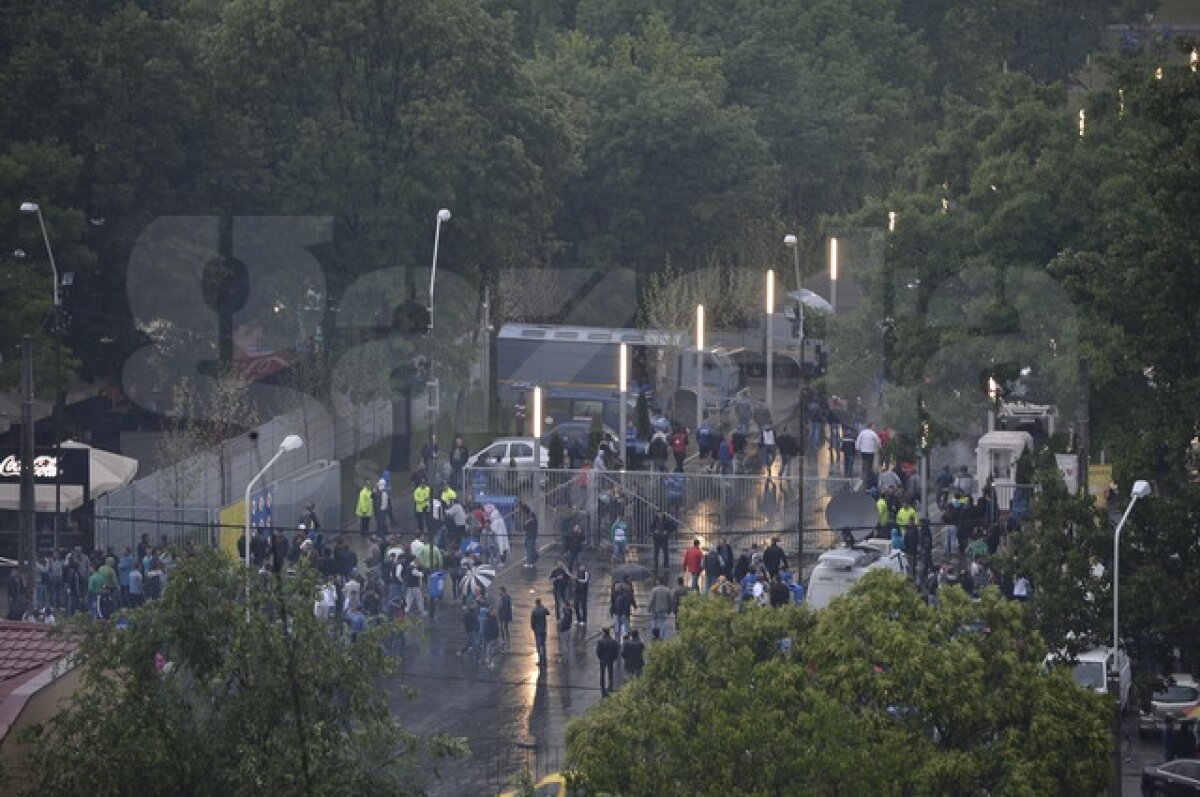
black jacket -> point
(633, 653)
(608, 650)
(537, 619)
(773, 557)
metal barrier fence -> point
(706, 506)
(501, 764)
(123, 526)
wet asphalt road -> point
(512, 714)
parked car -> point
(1178, 777)
(1092, 668)
(506, 449)
(1179, 696)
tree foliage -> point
(879, 693)
(258, 696)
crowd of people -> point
(97, 583)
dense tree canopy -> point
(257, 696)
(879, 693)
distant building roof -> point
(28, 652)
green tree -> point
(257, 696)
(879, 693)
(669, 167)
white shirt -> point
(1021, 588)
(867, 442)
(768, 436)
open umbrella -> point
(632, 571)
(813, 301)
(482, 575)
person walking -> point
(504, 615)
(633, 654)
(608, 650)
(537, 623)
(491, 637)
(867, 444)
(560, 583)
(621, 608)
(365, 509)
(531, 536)
(659, 607)
(471, 628)
(662, 530)
(693, 563)
(774, 558)
(421, 503)
(565, 626)
(679, 446)
(582, 580)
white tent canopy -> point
(108, 472)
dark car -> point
(1178, 777)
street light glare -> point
(29, 207)
(1141, 488)
(291, 443)
(790, 240)
(444, 214)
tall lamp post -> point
(443, 215)
(538, 509)
(623, 386)
(1141, 489)
(833, 273)
(35, 208)
(793, 243)
(289, 443)
(770, 343)
(699, 366)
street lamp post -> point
(443, 215)
(699, 366)
(623, 386)
(35, 208)
(793, 243)
(538, 495)
(1141, 489)
(289, 443)
(770, 342)
(833, 273)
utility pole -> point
(28, 496)
(485, 368)
(1082, 423)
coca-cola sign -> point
(66, 466)
(44, 467)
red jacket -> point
(693, 560)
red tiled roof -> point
(27, 647)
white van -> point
(840, 569)
(1092, 669)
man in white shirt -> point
(867, 445)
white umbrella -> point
(482, 575)
(106, 472)
(813, 301)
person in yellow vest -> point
(421, 498)
(881, 507)
(364, 509)
(907, 516)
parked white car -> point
(1175, 699)
(503, 451)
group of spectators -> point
(98, 583)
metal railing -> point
(123, 526)
(706, 506)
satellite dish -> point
(854, 513)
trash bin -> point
(437, 584)
(797, 593)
